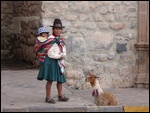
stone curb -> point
(77, 109)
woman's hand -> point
(62, 56)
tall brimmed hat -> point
(57, 23)
(42, 30)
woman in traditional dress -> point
(51, 54)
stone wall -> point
(27, 19)
(6, 29)
(100, 37)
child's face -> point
(44, 34)
(57, 31)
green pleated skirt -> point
(50, 70)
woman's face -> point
(57, 31)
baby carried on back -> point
(55, 50)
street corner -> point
(136, 108)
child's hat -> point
(42, 30)
(57, 23)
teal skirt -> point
(50, 71)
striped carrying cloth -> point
(62, 47)
(41, 50)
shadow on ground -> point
(11, 64)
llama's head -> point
(91, 78)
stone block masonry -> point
(93, 29)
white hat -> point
(42, 30)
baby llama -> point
(101, 98)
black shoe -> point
(62, 98)
(50, 100)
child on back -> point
(42, 34)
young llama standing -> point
(101, 98)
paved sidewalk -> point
(21, 91)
